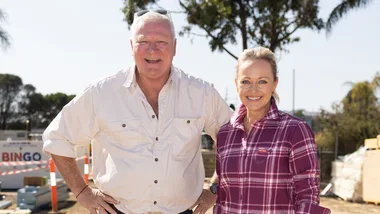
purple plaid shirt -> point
(272, 170)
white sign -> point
(22, 151)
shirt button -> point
(188, 121)
(156, 138)
(153, 116)
(123, 125)
(155, 181)
(155, 202)
(156, 159)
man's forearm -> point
(69, 169)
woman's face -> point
(255, 84)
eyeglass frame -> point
(159, 11)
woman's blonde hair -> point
(251, 54)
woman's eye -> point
(244, 82)
(262, 82)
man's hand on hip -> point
(95, 200)
(205, 201)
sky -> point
(61, 46)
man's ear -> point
(130, 42)
(175, 46)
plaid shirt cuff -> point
(217, 209)
(308, 208)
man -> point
(145, 125)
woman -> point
(266, 159)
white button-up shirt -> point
(148, 164)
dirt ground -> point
(336, 205)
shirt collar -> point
(238, 117)
(131, 76)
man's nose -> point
(152, 47)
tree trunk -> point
(243, 19)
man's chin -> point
(154, 74)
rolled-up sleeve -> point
(304, 167)
(74, 126)
(218, 112)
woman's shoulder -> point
(291, 120)
(227, 127)
(296, 128)
(224, 134)
(225, 130)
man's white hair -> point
(150, 16)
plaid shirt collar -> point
(238, 118)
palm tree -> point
(360, 113)
(364, 89)
(376, 81)
(341, 9)
(4, 37)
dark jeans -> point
(119, 212)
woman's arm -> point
(303, 164)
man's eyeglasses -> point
(160, 11)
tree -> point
(19, 103)
(54, 103)
(269, 23)
(4, 37)
(341, 9)
(362, 109)
(300, 113)
(10, 86)
(31, 106)
(354, 119)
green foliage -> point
(4, 37)
(54, 103)
(341, 9)
(132, 6)
(269, 23)
(354, 119)
(10, 86)
(31, 107)
(300, 113)
(19, 103)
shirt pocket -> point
(261, 155)
(187, 137)
(126, 132)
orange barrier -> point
(42, 165)
(86, 168)
(22, 163)
(22, 170)
(53, 183)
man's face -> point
(153, 48)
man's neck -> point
(151, 86)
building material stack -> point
(371, 171)
(347, 176)
(32, 197)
